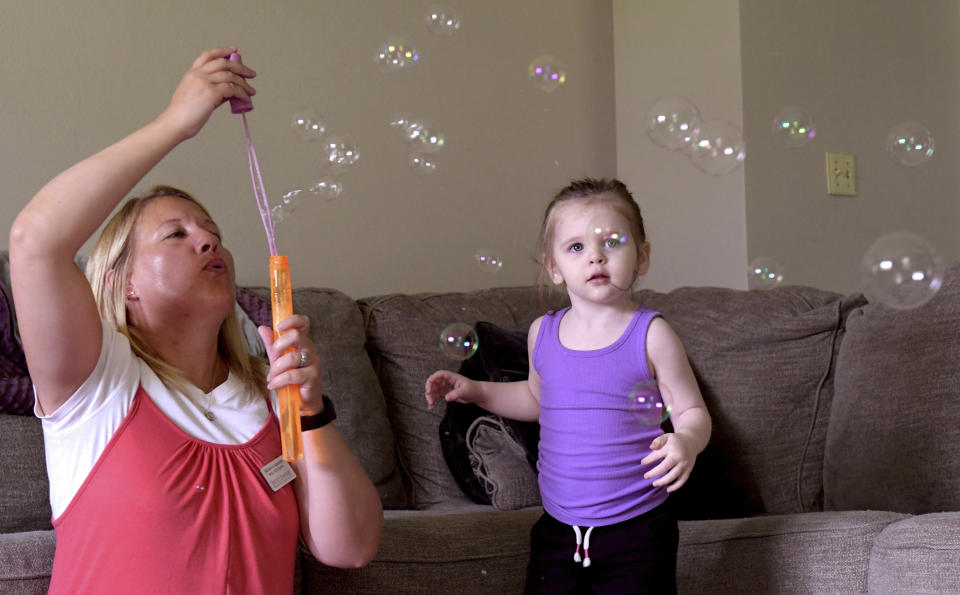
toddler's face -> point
(594, 253)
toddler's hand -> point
(676, 456)
(448, 386)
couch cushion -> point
(24, 490)
(423, 552)
(799, 553)
(26, 560)
(894, 436)
(403, 334)
(919, 554)
(763, 360)
(336, 327)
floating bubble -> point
(764, 272)
(547, 73)
(396, 54)
(308, 125)
(646, 403)
(291, 200)
(458, 341)
(421, 164)
(340, 153)
(793, 127)
(607, 231)
(401, 121)
(326, 188)
(487, 260)
(910, 143)
(423, 136)
(719, 149)
(277, 214)
(901, 270)
(673, 122)
(442, 20)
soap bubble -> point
(487, 260)
(396, 54)
(459, 341)
(340, 153)
(719, 149)
(764, 272)
(547, 73)
(401, 121)
(793, 127)
(901, 270)
(326, 188)
(910, 143)
(441, 20)
(606, 232)
(277, 214)
(291, 200)
(673, 122)
(646, 403)
(422, 164)
(423, 136)
(308, 125)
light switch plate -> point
(841, 174)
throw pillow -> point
(501, 357)
(499, 461)
(16, 390)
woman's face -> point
(178, 263)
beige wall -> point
(695, 221)
(859, 67)
(79, 75)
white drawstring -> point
(585, 540)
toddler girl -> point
(604, 472)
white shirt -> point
(76, 434)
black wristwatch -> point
(312, 422)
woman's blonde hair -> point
(111, 260)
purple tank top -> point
(590, 443)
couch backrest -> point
(764, 361)
(894, 436)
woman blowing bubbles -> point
(158, 427)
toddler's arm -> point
(688, 413)
(514, 400)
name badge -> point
(278, 473)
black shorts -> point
(638, 555)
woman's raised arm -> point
(58, 319)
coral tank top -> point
(163, 512)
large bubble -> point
(673, 122)
(910, 143)
(458, 341)
(547, 73)
(901, 270)
(793, 127)
(397, 54)
(442, 20)
(719, 149)
(764, 272)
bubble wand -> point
(281, 296)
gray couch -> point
(834, 466)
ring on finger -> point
(303, 359)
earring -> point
(130, 293)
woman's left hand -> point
(286, 368)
